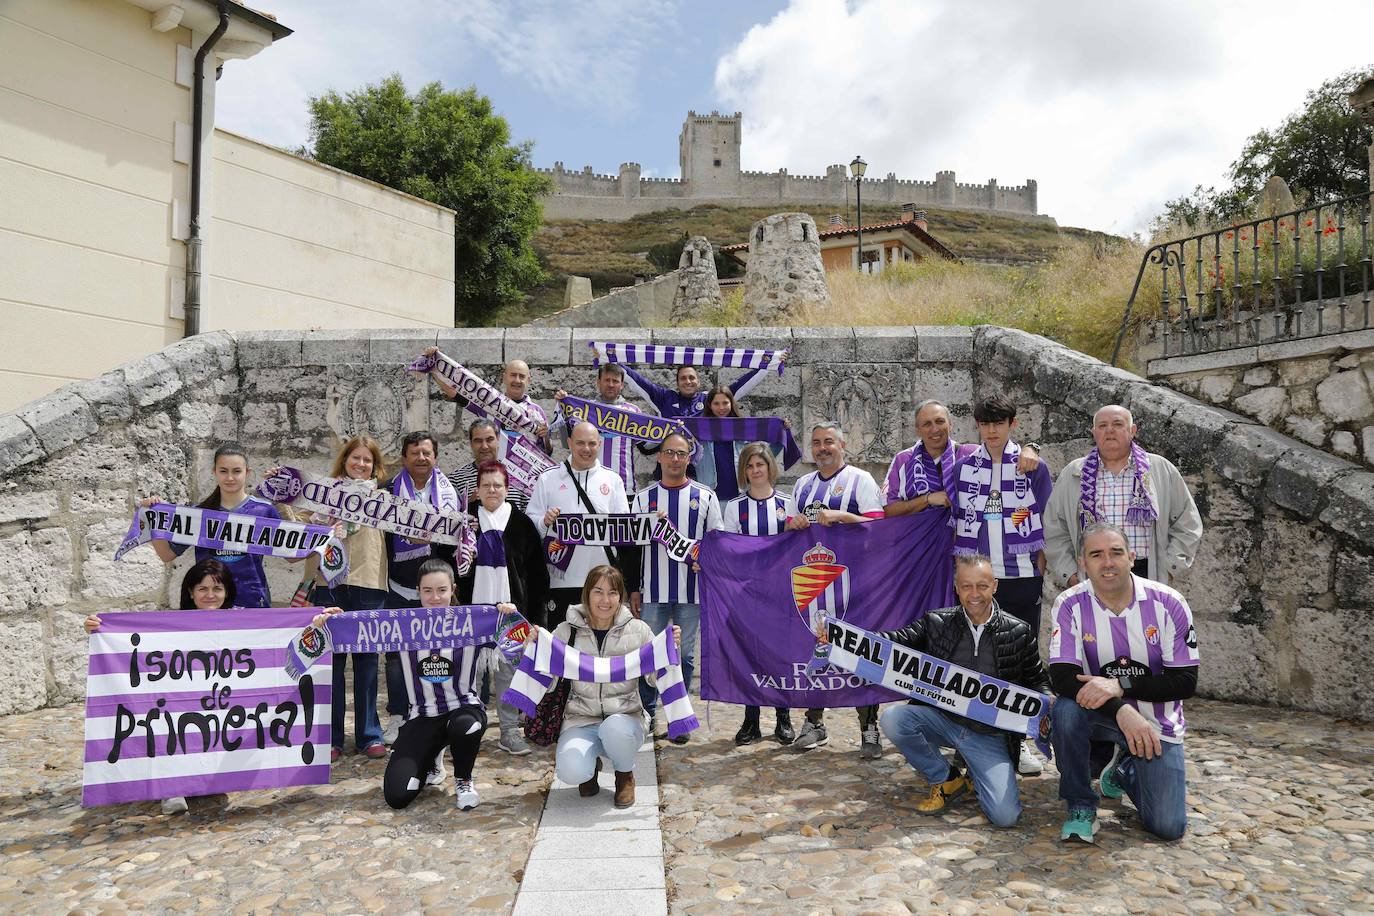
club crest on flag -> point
(820, 586)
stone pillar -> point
(784, 275)
(1362, 100)
(698, 287)
(577, 292)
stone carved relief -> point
(867, 401)
(384, 403)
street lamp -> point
(857, 169)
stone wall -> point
(643, 305)
(1283, 588)
(1319, 390)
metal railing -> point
(1274, 278)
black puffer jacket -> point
(1017, 648)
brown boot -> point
(624, 789)
(591, 786)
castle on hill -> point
(709, 155)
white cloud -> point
(1113, 108)
(587, 54)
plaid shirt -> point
(1114, 498)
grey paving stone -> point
(591, 903)
(606, 843)
(604, 872)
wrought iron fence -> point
(1304, 273)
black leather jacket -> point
(1017, 648)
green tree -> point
(448, 147)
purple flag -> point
(198, 702)
(750, 429)
(761, 598)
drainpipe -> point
(193, 242)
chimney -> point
(911, 215)
(834, 221)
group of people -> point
(1113, 531)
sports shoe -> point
(334, 754)
(682, 738)
(748, 733)
(1029, 764)
(811, 735)
(870, 748)
(393, 727)
(467, 795)
(437, 773)
(940, 793)
(375, 751)
(1109, 783)
(783, 731)
(513, 744)
(174, 805)
(1081, 826)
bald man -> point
(515, 383)
(1121, 484)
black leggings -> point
(419, 744)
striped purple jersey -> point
(1154, 633)
(747, 515)
(441, 680)
(849, 489)
(694, 510)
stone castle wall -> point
(1283, 589)
(1318, 389)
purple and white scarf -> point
(490, 581)
(479, 394)
(193, 526)
(608, 529)
(1141, 510)
(631, 424)
(929, 474)
(523, 464)
(660, 355)
(444, 499)
(1013, 509)
(549, 657)
(360, 502)
(747, 429)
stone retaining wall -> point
(1283, 589)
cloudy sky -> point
(1114, 108)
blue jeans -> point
(397, 702)
(919, 731)
(1157, 787)
(367, 729)
(658, 615)
(618, 737)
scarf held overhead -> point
(412, 629)
(660, 355)
(523, 464)
(631, 424)
(483, 399)
(352, 501)
(193, 526)
(980, 697)
(1141, 511)
(747, 429)
(1013, 509)
(549, 657)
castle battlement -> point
(709, 157)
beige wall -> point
(296, 244)
(88, 103)
(93, 204)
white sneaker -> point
(393, 727)
(810, 736)
(1029, 764)
(438, 773)
(174, 805)
(467, 795)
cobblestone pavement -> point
(1281, 815)
(320, 849)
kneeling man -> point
(1123, 658)
(980, 636)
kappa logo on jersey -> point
(1191, 640)
(820, 585)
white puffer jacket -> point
(589, 703)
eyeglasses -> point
(492, 486)
(676, 453)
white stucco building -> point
(95, 195)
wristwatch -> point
(1125, 683)
(1036, 446)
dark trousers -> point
(781, 713)
(419, 744)
(1021, 599)
(868, 716)
(562, 599)
(367, 729)
(396, 702)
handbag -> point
(543, 729)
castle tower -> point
(629, 179)
(708, 152)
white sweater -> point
(555, 490)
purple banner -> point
(748, 429)
(762, 597)
(198, 702)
